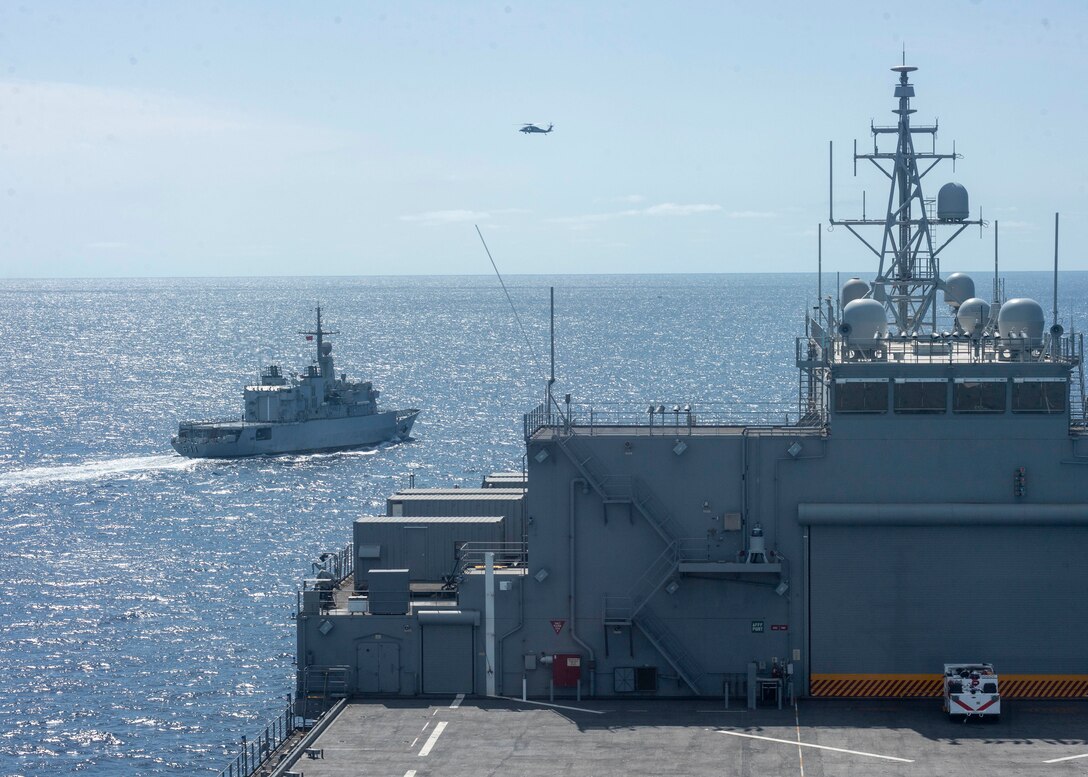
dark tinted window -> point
(1039, 396)
(978, 396)
(861, 396)
(923, 397)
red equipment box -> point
(566, 670)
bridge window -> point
(1039, 396)
(978, 396)
(928, 396)
(861, 396)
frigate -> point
(315, 411)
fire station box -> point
(566, 670)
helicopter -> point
(529, 128)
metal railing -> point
(253, 754)
(666, 418)
(507, 554)
(939, 349)
(339, 563)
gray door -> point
(448, 658)
(378, 667)
(906, 599)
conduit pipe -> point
(573, 596)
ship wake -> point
(94, 470)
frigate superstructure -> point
(927, 501)
(316, 411)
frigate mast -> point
(320, 333)
(909, 274)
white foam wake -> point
(93, 470)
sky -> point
(368, 138)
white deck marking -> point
(797, 725)
(457, 701)
(438, 729)
(818, 747)
(549, 704)
(1067, 758)
(410, 773)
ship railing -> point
(473, 555)
(941, 348)
(667, 418)
(222, 420)
(340, 564)
(618, 610)
(547, 413)
(255, 753)
(328, 572)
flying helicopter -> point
(529, 128)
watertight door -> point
(378, 667)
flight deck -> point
(472, 737)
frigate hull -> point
(239, 439)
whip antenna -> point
(528, 344)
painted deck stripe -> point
(438, 729)
(931, 686)
(549, 704)
(1067, 758)
(410, 773)
(457, 701)
(818, 747)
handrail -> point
(254, 754)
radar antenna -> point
(909, 274)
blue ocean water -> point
(147, 600)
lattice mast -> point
(909, 273)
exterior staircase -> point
(669, 646)
(630, 609)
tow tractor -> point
(970, 690)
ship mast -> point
(319, 333)
(909, 274)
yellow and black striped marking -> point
(905, 686)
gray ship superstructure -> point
(929, 503)
(316, 411)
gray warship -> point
(316, 411)
(927, 505)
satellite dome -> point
(952, 203)
(863, 320)
(1021, 315)
(326, 348)
(973, 315)
(853, 289)
(958, 288)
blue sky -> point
(148, 139)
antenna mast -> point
(319, 333)
(909, 272)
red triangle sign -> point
(558, 625)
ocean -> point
(146, 611)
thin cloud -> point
(456, 216)
(673, 209)
(751, 214)
(1019, 226)
(624, 199)
(662, 209)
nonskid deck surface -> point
(463, 737)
